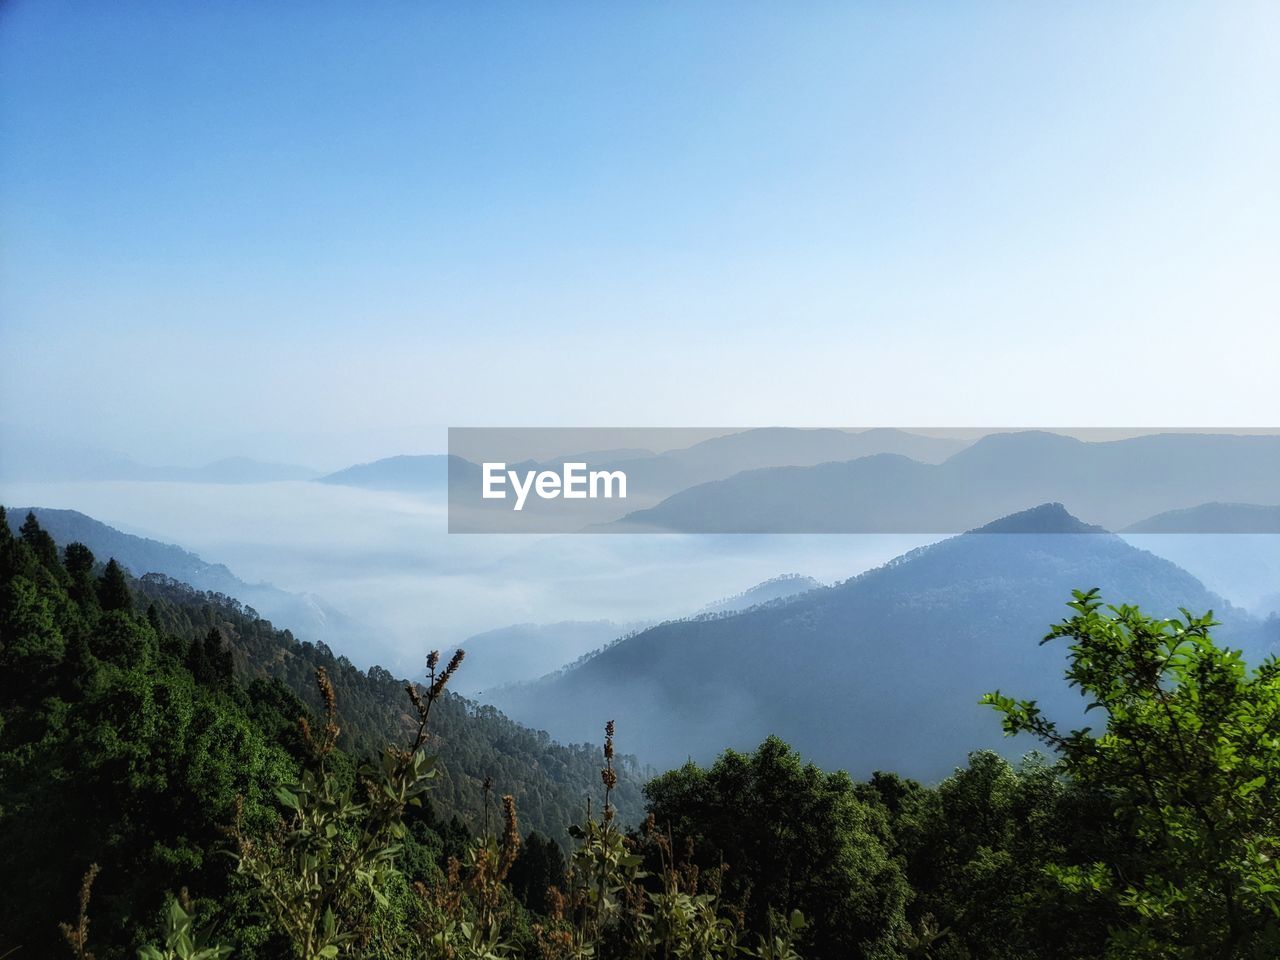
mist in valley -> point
(527, 605)
(385, 561)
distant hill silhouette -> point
(780, 587)
(791, 446)
(1114, 483)
(426, 473)
(653, 477)
(523, 651)
(763, 447)
(1046, 518)
(1213, 518)
(230, 470)
(882, 671)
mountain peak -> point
(1046, 518)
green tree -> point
(794, 837)
(30, 641)
(41, 544)
(539, 866)
(1189, 762)
(113, 588)
(209, 660)
(78, 560)
(974, 849)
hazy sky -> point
(324, 232)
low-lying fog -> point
(385, 560)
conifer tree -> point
(38, 539)
(113, 589)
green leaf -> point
(288, 798)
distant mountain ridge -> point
(28, 456)
(799, 447)
(1114, 483)
(668, 471)
(1213, 518)
(781, 587)
(763, 447)
(407, 473)
(1046, 518)
(231, 470)
(516, 654)
(884, 670)
(523, 651)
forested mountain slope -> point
(551, 781)
(142, 751)
(138, 716)
(306, 613)
(882, 671)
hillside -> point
(882, 671)
(1114, 483)
(309, 615)
(155, 733)
(520, 651)
(775, 588)
(475, 741)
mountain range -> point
(883, 671)
(426, 473)
(516, 653)
(1115, 483)
(766, 447)
(520, 651)
(1213, 518)
(30, 456)
(779, 479)
(660, 474)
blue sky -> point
(324, 232)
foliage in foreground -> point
(327, 875)
(1189, 765)
(151, 754)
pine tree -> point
(539, 866)
(113, 589)
(38, 539)
(209, 660)
(217, 657)
(78, 560)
